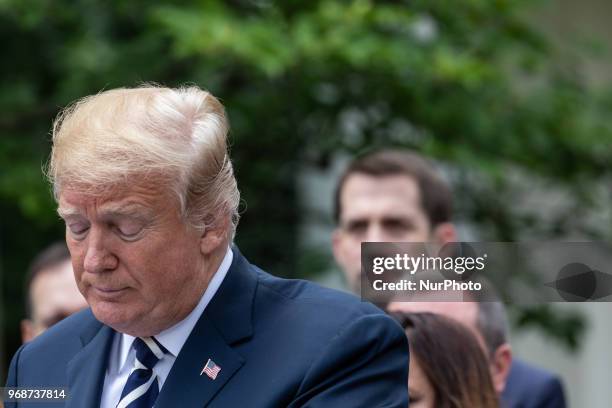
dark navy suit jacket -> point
(279, 343)
(531, 387)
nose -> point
(98, 257)
(375, 233)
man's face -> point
(54, 296)
(377, 209)
(136, 262)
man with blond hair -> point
(178, 317)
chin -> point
(122, 319)
(112, 314)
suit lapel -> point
(226, 320)
(231, 309)
(87, 369)
(186, 385)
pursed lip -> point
(108, 292)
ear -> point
(214, 236)
(27, 330)
(500, 367)
(444, 233)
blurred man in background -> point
(52, 293)
(398, 196)
(388, 196)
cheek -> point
(420, 234)
(423, 229)
(164, 271)
(349, 253)
(77, 256)
(351, 246)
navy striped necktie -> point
(142, 388)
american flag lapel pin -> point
(211, 369)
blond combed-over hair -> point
(176, 138)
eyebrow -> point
(111, 210)
(126, 210)
(386, 218)
(67, 212)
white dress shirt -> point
(122, 355)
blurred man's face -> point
(138, 264)
(377, 209)
(53, 295)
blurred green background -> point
(474, 84)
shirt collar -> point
(175, 337)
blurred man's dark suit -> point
(531, 387)
(279, 343)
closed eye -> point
(129, 231)
(78, 230)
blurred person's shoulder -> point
(532, 386)
(43, 360)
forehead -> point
(137, 199)
(463, 312)
(365, 195)
(58, 274)
(55, 286)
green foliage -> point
(568, 326)
(467, 82)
